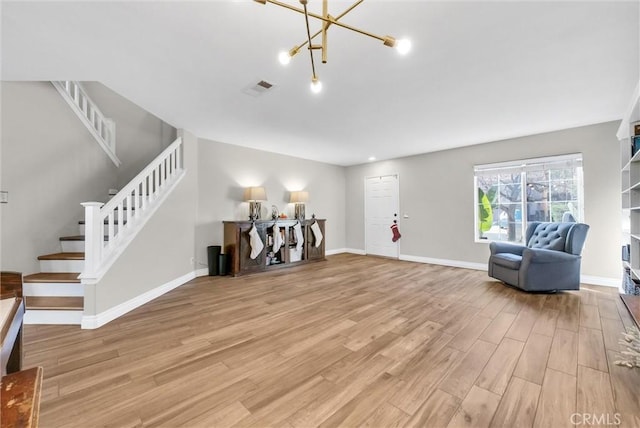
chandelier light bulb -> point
(284, 57)
(316, 86)
(403, 46)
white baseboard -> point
(344, 250)
(601, 280)
(444, 262)
(43, 316)
(95, 321)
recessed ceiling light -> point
(372, 158)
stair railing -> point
(110, 227)
(100, 127)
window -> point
(510, 194)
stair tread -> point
(55, 303)
(62, 256)
(78, 238)
(61, 277)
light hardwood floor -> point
(354, 341)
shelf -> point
(636, 237)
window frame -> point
(574, 160)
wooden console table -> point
(237, 245)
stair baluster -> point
(141, 197)
(101, 128)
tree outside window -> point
(510, 195)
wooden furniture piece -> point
(11, 315)
(633, 305)
(238, 248)
(628, 132)
(20, 398)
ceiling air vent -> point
(260, 88)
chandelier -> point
(402, 45)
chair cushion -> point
(550, 236)
(508, 260)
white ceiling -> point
(479, 71)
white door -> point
(381, 209)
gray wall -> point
(51, 164)
(436, 190)
(140, 136)
(225, 170)
(163, 249)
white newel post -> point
(93, 238)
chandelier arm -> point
(325, 25)
(328, 19)
(317, 33)
(313, 65)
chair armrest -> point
(506, 247)
(540, 255)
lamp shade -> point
(255, 194)
(299, 196)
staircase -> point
(55, 295)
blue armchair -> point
(549, 262)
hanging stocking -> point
(396, 232)
(317, 233)
(297, 229)
(277, 239)
(255, 242)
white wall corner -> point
(201, 272)
(344, 250)
(95, 321)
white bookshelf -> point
(630, 191)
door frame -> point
(364, 220)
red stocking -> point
(396, 232)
